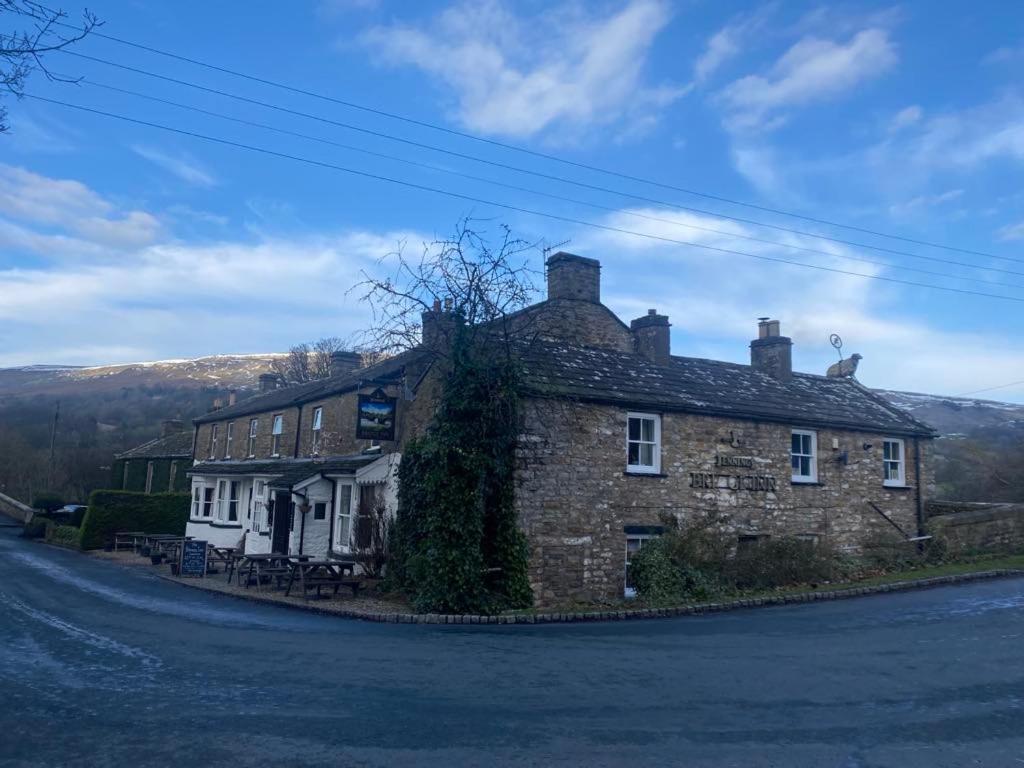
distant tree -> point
(308, 362)
(34, 30)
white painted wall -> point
(314, 539)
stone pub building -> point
(617, 433)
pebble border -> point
(697, 609)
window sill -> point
(198, 521)
(226, 525)
(805, 482)
(263, 533)
(634, 473)
(898, 487)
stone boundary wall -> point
(979, 527)
(640, 613)
(14, 508)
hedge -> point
(112, 511)
(63, 535)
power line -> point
(528, 190)
(530, 152)
(507, 206)
(538, 174)
(990, 389)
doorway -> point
(281, 525)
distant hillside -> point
(227, 371)
(958, 416)
(104, 410)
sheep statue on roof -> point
(844, 369)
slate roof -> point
(175, 446)
(297, 394)
(284, 473)
(694, 385)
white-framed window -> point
(234, 491)
(229, 438)
(275, 447)
(197, 501)
(343, 517)
(149, 477)
(643, 443)
(222, 499)
(172, 475)
(259, 505)
(254, 425)
(804, 456)
(320, 510)
(894, 462)
(212, 453)
(208, 501)
(318, 423)
(634, 543)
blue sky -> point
(120, 242)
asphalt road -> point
(105, 665)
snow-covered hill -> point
(225, 371)
(958, 416)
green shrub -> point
(35, 528)
(63, 535)
(455, 545)
(780, 562)
(112, 511)
(48, 501)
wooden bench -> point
(317, 574)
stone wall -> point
(574, 498)
(975, 528)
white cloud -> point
(518, 76)
(922, 202)
(812, 70)
(905, 118)
(68, 205)
(184, 166)
(1012, 231)
(728, 42)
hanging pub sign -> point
(376, 417)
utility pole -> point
(53, 443)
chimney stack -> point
(771, 352)
(218, 403)
(170, 427)
(438, 324)
(344, 361)
(232, 397)
(268, 381)
(574, 277)
(651, 336)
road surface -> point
(103, 665)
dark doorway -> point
(282, 522)
(368, 495)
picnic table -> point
(323, 573)
(224, 555)
(274, 566)
(169, 546)
(152, 541)
(127, 539)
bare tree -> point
(308, 362)
(22, 51)
(472, 281)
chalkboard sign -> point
(193, 558)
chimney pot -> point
(574, 277)
(170, 427)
